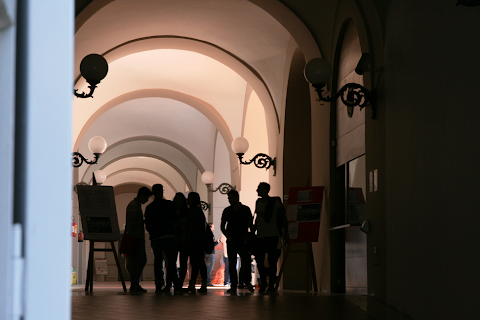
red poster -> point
(303, 213)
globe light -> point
(97, 145)
(100, 176)
(318, 71)
(208, 177)
(240, 145)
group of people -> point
(178, 228)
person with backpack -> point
(271, 225)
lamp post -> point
(209, 176)
(318, 72)
(260, 160)
(93, 68)
(97, 146)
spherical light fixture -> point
(97, 145)
(318, 71)
(93, 68)
(240, 145)
(208, 177)
(99, 176)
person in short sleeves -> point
(271, 225)
(236, 220)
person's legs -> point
(209, 262)
(245, 274)
(260, 259)
(226, 278)
(171, 253)
(232, 250)
(183, 265)
(136, 264)
(194, 261)
(158, 263)
(273, 255)
(203, 271)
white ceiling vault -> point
(181, 74)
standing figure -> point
(136, 229)
(196, 225)
(236, 219)
(210, 258)
(181, 210)
(271, 225)
(160, 221)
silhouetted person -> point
(136, 229)
(160, 221)
(196, 225)
(271, 224)
(181, 210)
(236, 219)
(210, 258)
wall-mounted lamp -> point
(205, 206)
(261, 160)
(99, 177)
(469, 3)
(209, 176)
(93, 68)
(318, 72)
(97, 146)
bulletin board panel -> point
(303, 213)
(98, 213)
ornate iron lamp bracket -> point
(352, 95)
(92, 87)
(261, 160)
(224, 188)
(205, 206)
(78, 159)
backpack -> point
(208, 242)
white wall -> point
(7, 118)
(255, 132)
(43, 196)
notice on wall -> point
(303, 213)
(101, 267)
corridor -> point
(108, 301)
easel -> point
(311, 276)
(91, 259)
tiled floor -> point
(108, 301)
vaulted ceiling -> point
(183, 75)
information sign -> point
(303, 213)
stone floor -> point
(108, 301)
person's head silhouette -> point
(143, 194)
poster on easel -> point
(98, 213)
(303, 213)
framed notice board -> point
(303, 213)
(98, 213)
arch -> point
(147, 171)
(248, 73)
(290, 21)
(130, 187)
(131, 155)
(205, 108)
